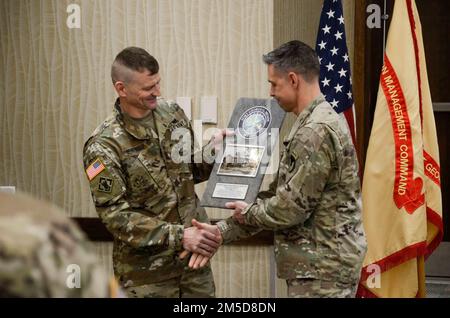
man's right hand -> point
(202, 239)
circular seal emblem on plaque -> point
(254, 122)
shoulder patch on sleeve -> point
(105, 185)
(94, 169)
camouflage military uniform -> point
(314, 207)
(44, 254)
(146, 197)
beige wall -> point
(56, 89)
(299, 19)
(56, 86)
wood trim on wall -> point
(441, 107)
(368, 64)
(358, 81)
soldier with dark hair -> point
(314, 204)
(44, 254)
(142, 192)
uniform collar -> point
(302, 117)
(133, 127)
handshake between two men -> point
(202, 240)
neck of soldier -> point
(133, 111)
(307, 93)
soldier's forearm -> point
(139, 231)
(274, 214)
(232, 231)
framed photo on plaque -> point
(241, 160)
(239, 170)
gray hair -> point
(295, 56)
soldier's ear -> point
(120, 89)
(293, 79)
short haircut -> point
(295, 56)
(134, 59)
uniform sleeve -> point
(231, 230)
(297, 198)
(108, 188)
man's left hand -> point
(238, 207)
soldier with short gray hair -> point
(314, 204)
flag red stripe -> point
(364, 292)
(433, 173)
(432, 169)
(412, 23)
(408, 252)
(397, 258)
(407, 192)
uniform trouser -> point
(191, 284)
(314, 288)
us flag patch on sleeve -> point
(94, 169)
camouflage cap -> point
(44, 254)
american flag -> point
(331, 47)
(94, 169)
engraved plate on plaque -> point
(230, 191)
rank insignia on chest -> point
(105, 185)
